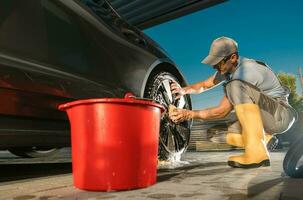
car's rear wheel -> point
(293, 161)
(174, 138)
(34, 152)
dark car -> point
(58, 51)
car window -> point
(104, 11)
(107, 14)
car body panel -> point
(52, 52)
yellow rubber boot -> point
(235, 139)
(256, 154)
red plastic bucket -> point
(114, 142)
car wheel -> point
(33, 152)
(174, 138)
(293, 161)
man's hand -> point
(176, 89)
(179, 115)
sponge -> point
(171, 109)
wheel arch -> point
(163, 65)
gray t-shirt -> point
(258, 75)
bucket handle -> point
(130, 95)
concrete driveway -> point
(203, 175)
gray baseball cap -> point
(219, 49)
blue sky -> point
(270, 31)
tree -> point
(295, 100)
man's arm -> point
(217, 112)
(196, 88)
(179, 115)
(200, 87)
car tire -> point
(173, 138)
(33, 152)
(292, 163)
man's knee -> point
(237, 92)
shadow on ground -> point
(12, 172)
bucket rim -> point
(65, 106)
